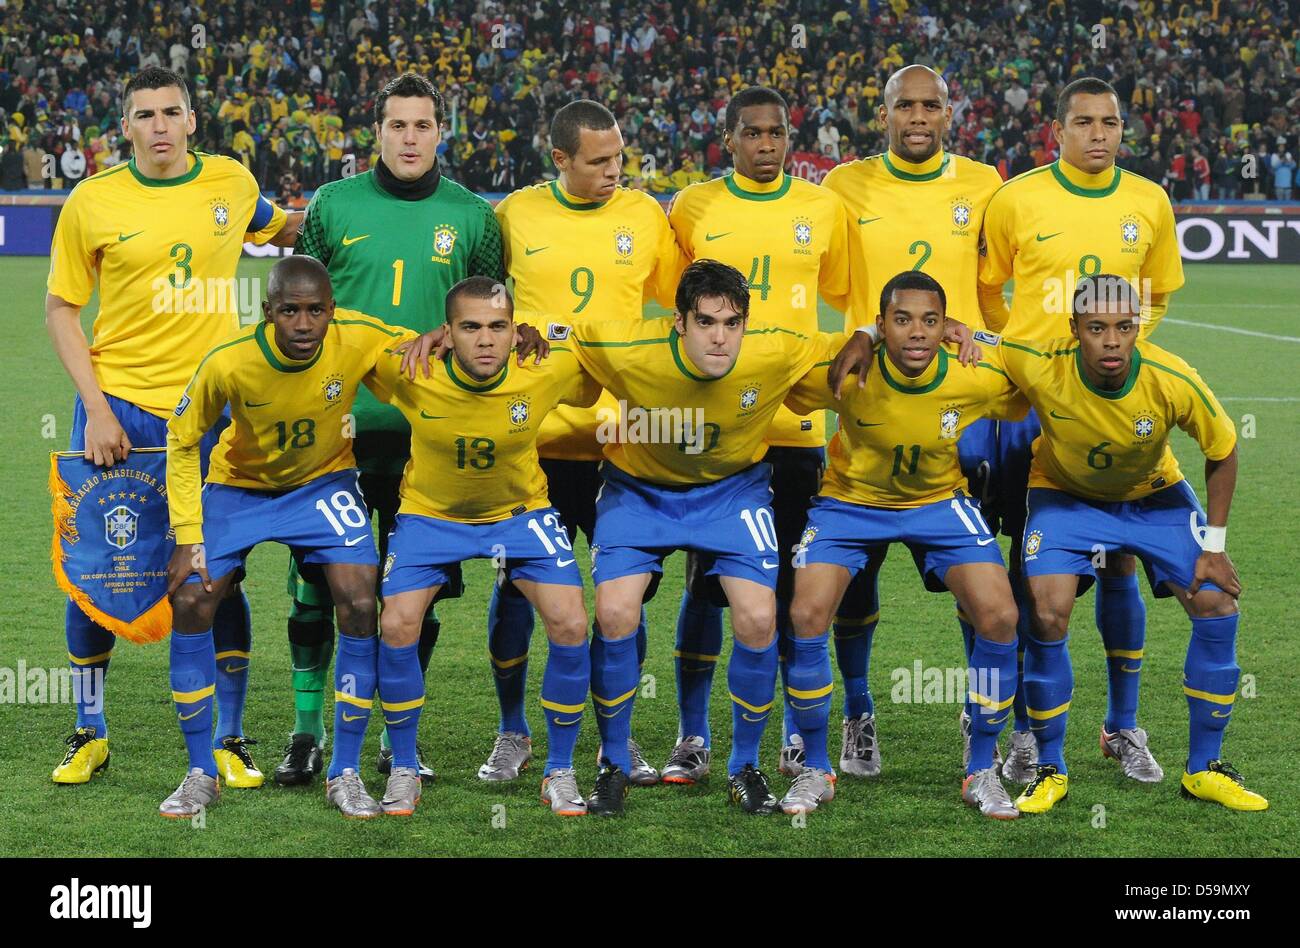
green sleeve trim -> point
(593, 344)
(1195, 388)
(274, 361)
(376, 326)
(186, 178)
(224, 345)
(1129, 382)
(771, 329)
(992, 368)
(1007, 343)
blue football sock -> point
(992, 682)
(784, 659)
(1021, 595)
(614, 679)
(401, 696)
(968, 642)
(356, 669)
(510, 629)
(232, 637)
(853, 638)
(1210, 676)
(565, 684)
(1048, 688)
(429, 629)
(90, 646)
(751, 679)
(808, 693)
(699, 645)
(193, 680)
(1122, 621)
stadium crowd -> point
(288, 88)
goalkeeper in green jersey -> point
(395, 239)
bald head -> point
(915, 112)
(304, 270)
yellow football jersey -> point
(165, 254)
(474, 444)
(1047, 227)
(289, 419)
(1113, 446)
(580, 257)
(680, 426)
(789, 237)
(897, 442)
(908, 216)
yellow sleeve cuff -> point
(188, 533)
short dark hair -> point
(707, 277)
(912, 280)
(568, 122)
(478, 288)
(297, 267)
(153, 77)
(1088, 85)
(1103, 288)
(410, 85)
(754, 95)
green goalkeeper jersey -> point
(395, 259)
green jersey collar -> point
(1065, 178)
(187, 177)
(1123, 390)
(940, 369)
(463, 379)
(687, 368)
(278, 360)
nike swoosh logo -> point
(353, 542)
(353, 717)
(559, 562)
(869, 424)
(1040, 238)
(767, 565)
(610, 714)
(349, 241)
(716, 236)
(1000, 721)
(124, 237)
(806, 707)
(186, 717)
(232, 669)
(1061, 417)
(426, 415)
(985, 542)
(256, 404)
(1125, 668)
(1220, 714)
(1039, 727)
(529, 251)
(398, 721)
(576, 720)
(867, 220)
(758, 720)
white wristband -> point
(872, 332)
(1215, 540)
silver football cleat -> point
(963, 722)
(689, 762)
(1021, 765)
(810, 789)
(402, 792)
(642, 774)
(560, 792)
(510, 754)
(196, 792)
(1129, 747)
(792, 757)
(860, 756)
(349, 796)
(984, 791)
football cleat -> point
(688, 763)
(303, 760)
(235, 763)
(1219, 783)
(792, 757)
(1129, 747)
(963, 722)
(860, 756)
(1021, 764)
(750, 791)
(510, 754)
(642, 774)
(197, 792)
(86, 756)
(402, 792)
(349, 795)
(984, 791)
(810, 789)
(560, 793)
(1048, 788)
(606, 799)
(385, 763)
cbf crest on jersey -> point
(220, 215)
(623, 242)
(444, 242)
(1144, 425)
(803, 233)
(962, 212)
(1130, 231)
(518, 409)
(112, 540)
(749, 397)
(807, 538)
(949, 419)
(332, 389)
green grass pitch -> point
(912, 809)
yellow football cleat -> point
(87, 755)
(1048, 788)
(1219, 783)
(235, 764)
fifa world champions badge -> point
(113, 541)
